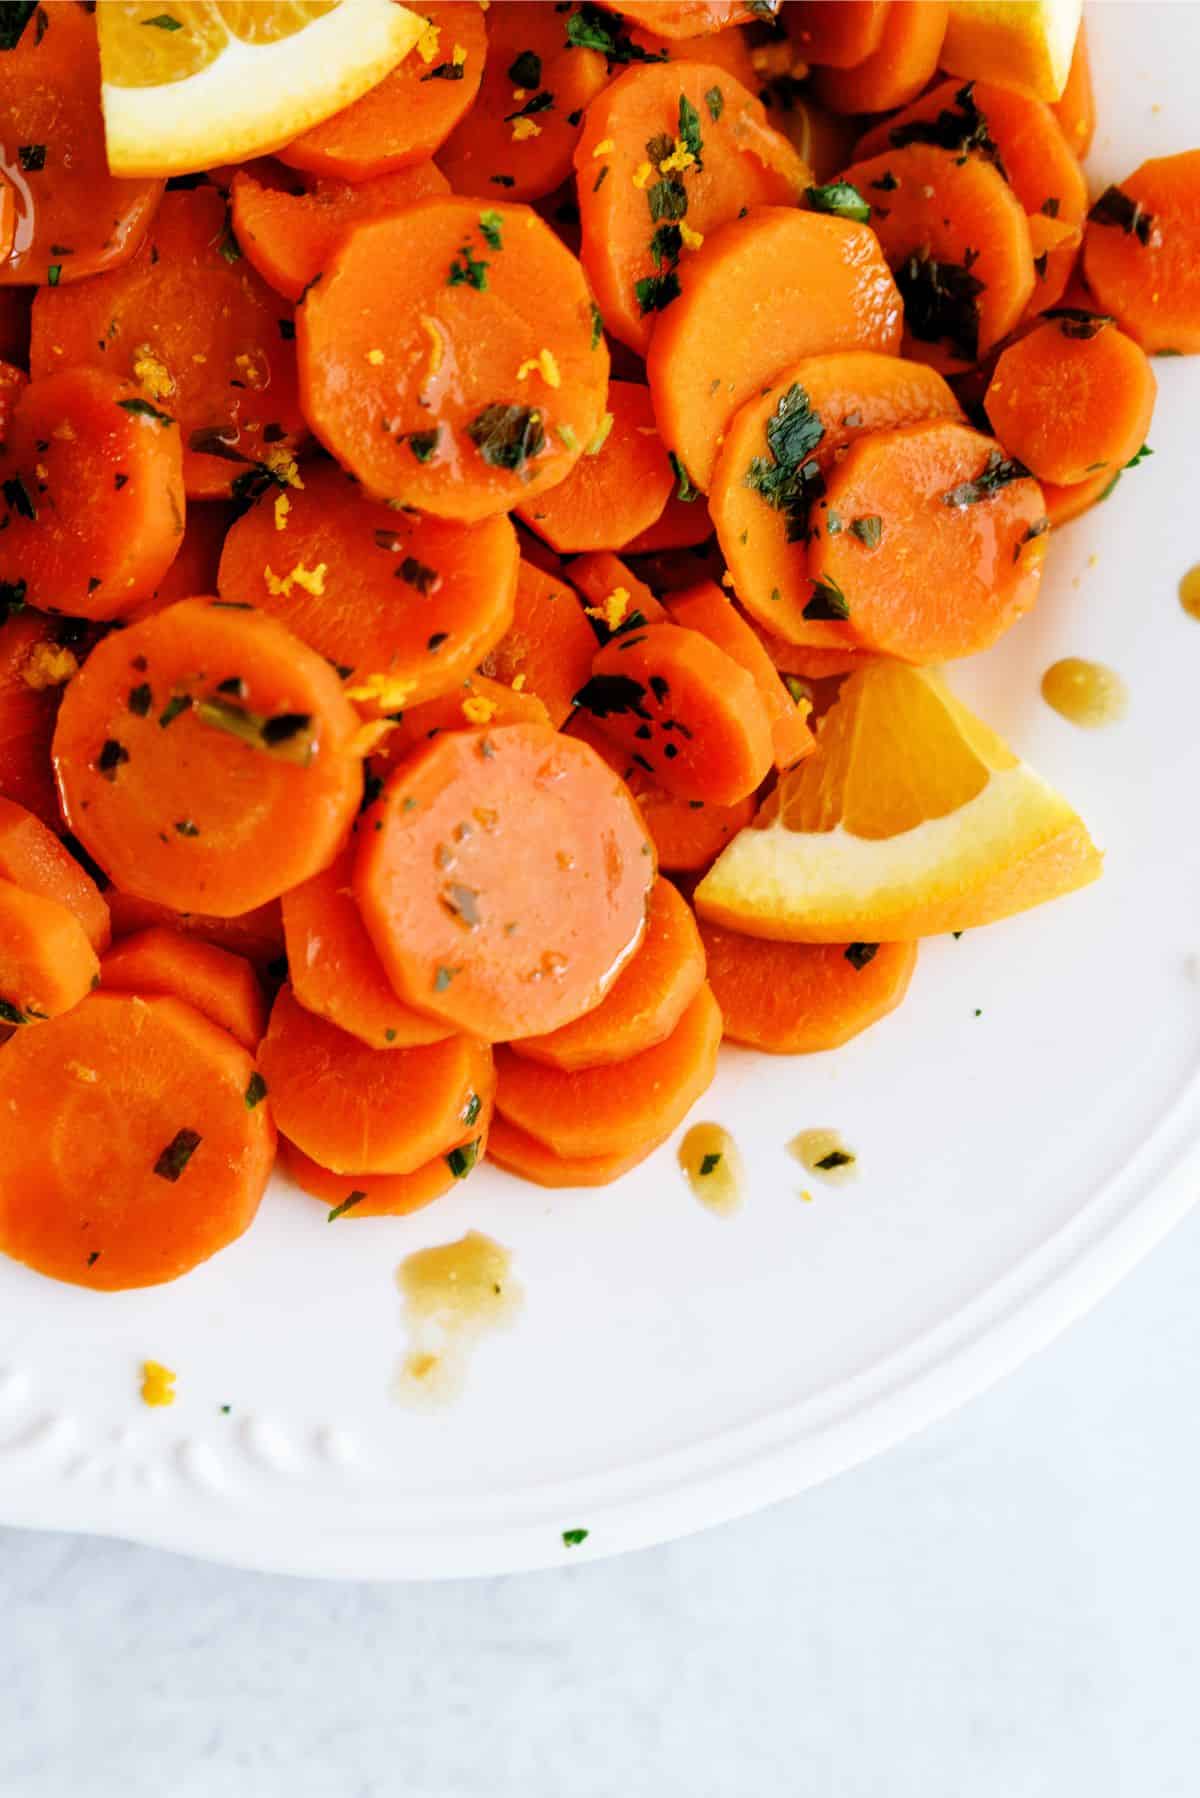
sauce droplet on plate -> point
(824, 1152)
(1085, 693)
(1189, 592)
(712, 1162)
(454, 1294)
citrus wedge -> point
(188, 84)
(912, 818)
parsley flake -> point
(842, 199)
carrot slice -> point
(780, 450)
(412, 600)
(810, 662)
(221, 986)
(361, 1110)
(894, 73)
(28, 706)
(1072, 396)
(1056, 246)
(47, 964)
(32, 857)
(411, 112)
(797, 998)
(93, 490)
(540, 871)
(600, 1111)
(204, 758)
(818, 284)
(669, 152)
(837, 34)
(1141, 254)
(257, 935)
(685, 711)
(949, 549)
(517, 1152)
(72, 218)
(374, 1195)
(727, 50)
(132, 1149)
(197, 559)
(478, 704)
(1075, 109)
(615, 598)
(548, 649)
(290, 237)
(334, 969)
(682, 524)
(693, 18)
(191, 321)
(448, 357)
(705, 608)
(13, 381)
(618, 487)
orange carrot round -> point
(204, 758)
(838, 34)
(517, 1152)
(256, 935)
(28, 706)
(32, 857)
(728, 50)
(706, 609)
(548, 648)
(682, 524)
(1065, 503)
(448, 357)
(692, 18)
(614, 598)
(797, 998)
(47, 964)
(1072, 396)
(194, 566)
(1141, 254)
(219, 985)
(134, 1147)
(1075, 108)
(476, 704)
(374, 1195)
(617, 488)
(897, 69)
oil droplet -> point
(1189, 592)
(1085, 693)
(824, 1152)
(454, 1294)
(712, 1162)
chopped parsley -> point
(14, 16)
(256, 1091)
(460, 1161)
(186, 828)
(113, 755)
(1140, 456)
(539, 103)
(597, 326)
(143, 409)
(179, 702)
(442, 978)
(997, 472)
(164, 22)
(446, 71)
(859, 954)
(490, 223)
(423, 443)
(788, 482)
(141, 699)
(827, 601)
(714, 99)
(347, 1204)
(1076, 321)
(177, 1154)
(868, 530)
(1115, 207)
(589, 28)
(471, 1110)
(467, 271)
(654, 293)
(16, 495)
(685, 488)
(525, 70)
(12, 598)
(418, 574)
(287, 735)
(508, 436)
(940, 303)
(689, 130)
(835, 1158)
(32, 158)
(572, 1538)
(842, 199)
(962, 127)
(709, 1163)
(609, 695)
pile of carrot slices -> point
(421, 552)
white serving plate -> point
(670, 1368)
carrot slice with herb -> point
(72, 218)
(201, 332)
(694, 18)
(618, 487)
(32, 857)
(93, 494)
(517, 1152)
(399, 602)
(411, 112)
(894, 73)
(334, 969)
(600, 1111)
(682, 524)
(1141, 254)
(361, 1110)
(134, 1149)
(615, 599)
(1071, 397)
(547, 650)
(798, 998)
(205, 758)
(728, 50)
(47, 964)
(380, 1195)
(167, 963)
(28, 706)
(837, 34)
(706, 609)
(819, 284)
(1075, 109)
(257, 935)
(477, 704)
(669, 152)
(536, 873)
(449, 356)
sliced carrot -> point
(618, 487)
(693, 18)
(257, 935)
(535, 870)
(548, 649)
(194, 567)
(1075, 109)
(780, 450)
(949, 549)
(682, 524)
(1065, 503)
(28, 706)
(669, 152)
(1141, 254)
(809, 662)
(1071, 397)
(290, 237)
(13, 381)
(361, 1110)
(47, 964)
(728, 50)
(375, 1195)
(601, 1111)
(93, 490)
(837, 34)
(411, 112)
(72, 218)
(1055, 245)
(816, 283)
(797, 998)
(517, 1152)
(199, 330)
(448, 357)
(615, 599)
(334, 969)
(411, 600)
(134, 1149)
(477, 704)
(894, 73)
(205, 758)
(167, 963)
(706, 609)
(32, 857)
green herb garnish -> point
(842, 199)
(347, 1204)
(460, 1161)
(508, 436)
(177, 1154)
(827, 601)
(998, 471)
(256, 1091)
(859, 954)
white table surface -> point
(1005, 1607)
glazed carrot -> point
(706, 609)
(780, 450)
(397, 598)
(535, 873)
(682, 524)
(897, 69)
(1065, 503)
(727, 50)
(548, 648)
(28, 705)
(809, 662)
(167, 963)
(32, 857)
(449, 356)
(518, 138)
(12, 382)
(693, 18)
(203, 335)
(837, 34)
(1072, 396)
(361, 1110)
(72, 218)
(601, 1111)
(618, 487)
(134, 1144)
(411, 112)
(651, 994)
(256, 935)
(93, 494)
(1055, 245)
(334, 969)
(194, 567)
(517, 1152)
(289, 237)
(796, 998)
(205, 758)
(477, 704)
(378, 1195)
(1141, 254)
(614, 597)
(949, 547)
(669, 152)
(1075, 109)
(816, 284)
(47, 964)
